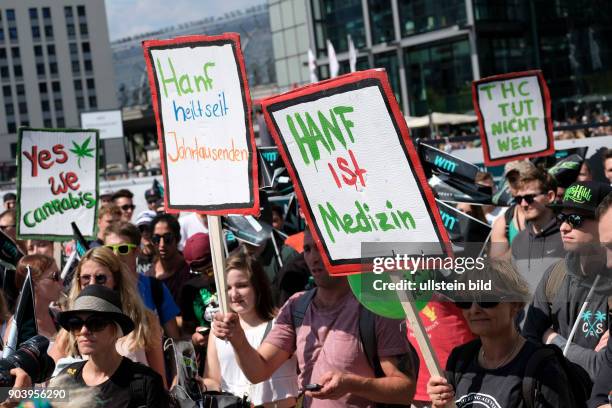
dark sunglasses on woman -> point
(128, 207)
(93, 323)
(98, 279)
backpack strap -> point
(367, 335)
(555, 279)
(508, 216)
(268, 328)
(530, 376)
(300, 306)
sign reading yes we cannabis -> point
(202, 108)
(514, 116)
(356, 172)
(58, 183)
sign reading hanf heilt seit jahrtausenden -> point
(203, 112)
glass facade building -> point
(434, 49)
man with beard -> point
(539, 245)
(327, 346)
(564, 287)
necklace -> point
(516, 344)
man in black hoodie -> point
(539, 245)
(564, 287)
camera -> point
(31, 356)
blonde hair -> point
(125, 284)
(505, 280)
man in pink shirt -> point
(328, 346)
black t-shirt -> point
(477, 387)
(133, 385)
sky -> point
(129, 17)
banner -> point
(566, 170)
(9, 251)
(456, 190)
(437, 161)
(514, 116)
(356, 173)
(57, 183)
(462, 227)
(202, 108)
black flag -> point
(436, 161)
(9, 251)
(248, 229)
(24, 324)
(566, 170)
(457, 190)
(462, 227)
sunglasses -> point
(128, 207)
(121, 249)
(93, 323)
(98, 279)
(529, 198)
(167, 237)
(481, 304)
(574, 220)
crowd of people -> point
(297, 336)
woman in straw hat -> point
(95, 322)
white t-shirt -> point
(190, 224)
(283, 383)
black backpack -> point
(579, 382)
(367, 335)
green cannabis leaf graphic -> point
(83, 150)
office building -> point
(433, 49)
(55, 61)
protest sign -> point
(356, 173)
(514, 116)
(202, 108)
(57, 183)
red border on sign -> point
(545, 94)
(381, 77)
(234, 38)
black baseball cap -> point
(584, 196)
(152, 195)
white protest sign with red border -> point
(357, 175)
(202, 108)
(514, 116)
(57, 183)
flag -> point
(9, 251)
(24, 325)
(566, 170)
(352, 54)
(312, 66)
(334, 67)
(455, 190)
(437, 161)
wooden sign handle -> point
(412, 316)
(218, 258)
